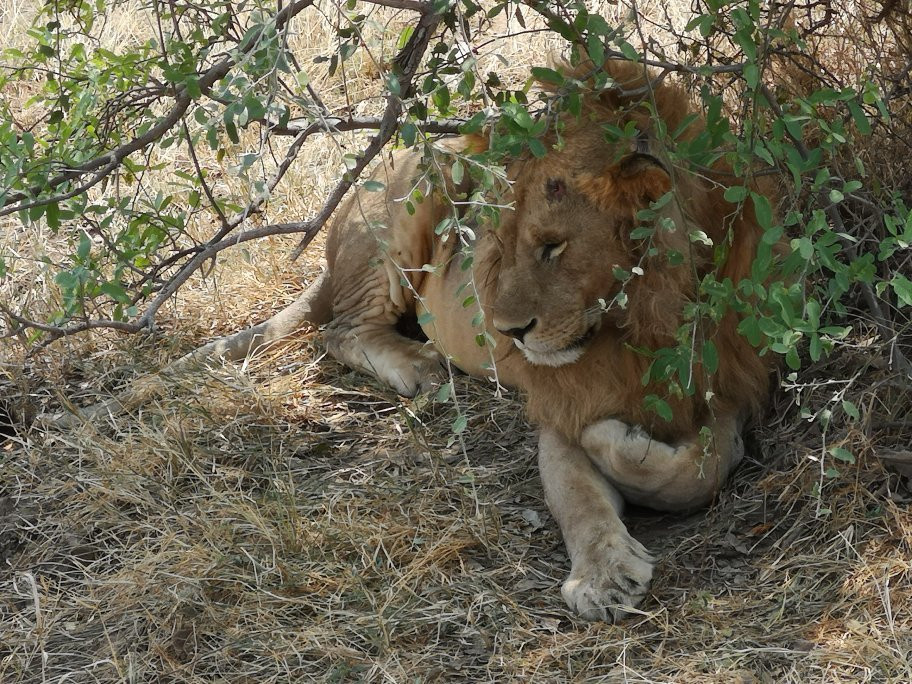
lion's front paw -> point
(415, 373)
(430, 372)
(612, 578)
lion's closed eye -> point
(551, 250)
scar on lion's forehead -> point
(555, 189)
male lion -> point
(544, 279)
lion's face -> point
(569, 231)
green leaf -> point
(545, 75)
(519, 115)
(630, 53)
(860, 118)
(441, 98)
(735, 194)
(193, 88)
(231, 130)
(116, 292)
(842, 454)
(255, 109)
(705, 24)
(763, 210)
(409, 132)
(52, 215)
(404, 37)
(902, 286)
(457, 172)
(751, 75)
(710, 357)
(642, 233)
(536, 148)
(459, 425)
(444, 392)
(595, 48)
(850, 409)
(659, 407)
(475, 124)
(373, 186)
(792, 358)
(66, 280)
(85, 246)
(815, 348)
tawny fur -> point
(606, 381)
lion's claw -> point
(613, 578)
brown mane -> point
(607, 380)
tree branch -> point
(111, 160)
(405, 65)
(337, 124)
(413, 5)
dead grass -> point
(287, 521)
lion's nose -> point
(518, 332)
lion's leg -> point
(609, 568)
(363, 333)
(659, 475)
(408, 366)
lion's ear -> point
(631, 184)
(474, 143)
(641, 176)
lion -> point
(547, 280)
(544, 281)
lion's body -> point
(546, 280)
(375, 246)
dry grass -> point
(289, 521)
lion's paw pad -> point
(607, 584)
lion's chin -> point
(563, 357)
(560, 357)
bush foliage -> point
(790, 94)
